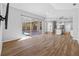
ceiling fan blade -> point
(6, 16)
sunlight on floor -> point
(24, 38)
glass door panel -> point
(32, 28)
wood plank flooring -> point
(42, 45)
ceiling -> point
(25, 6)
(43, 5)
(64, 5)
(42, 8)
(36, 8)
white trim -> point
(10, 40)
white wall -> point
(77, 24)
(14, 25)
(0, 37)
(68, 27)
(0, 33)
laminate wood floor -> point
(42, 45)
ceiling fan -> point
(6, 16)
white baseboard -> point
(10, 40)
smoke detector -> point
(74, 4)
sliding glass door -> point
(31, 28)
